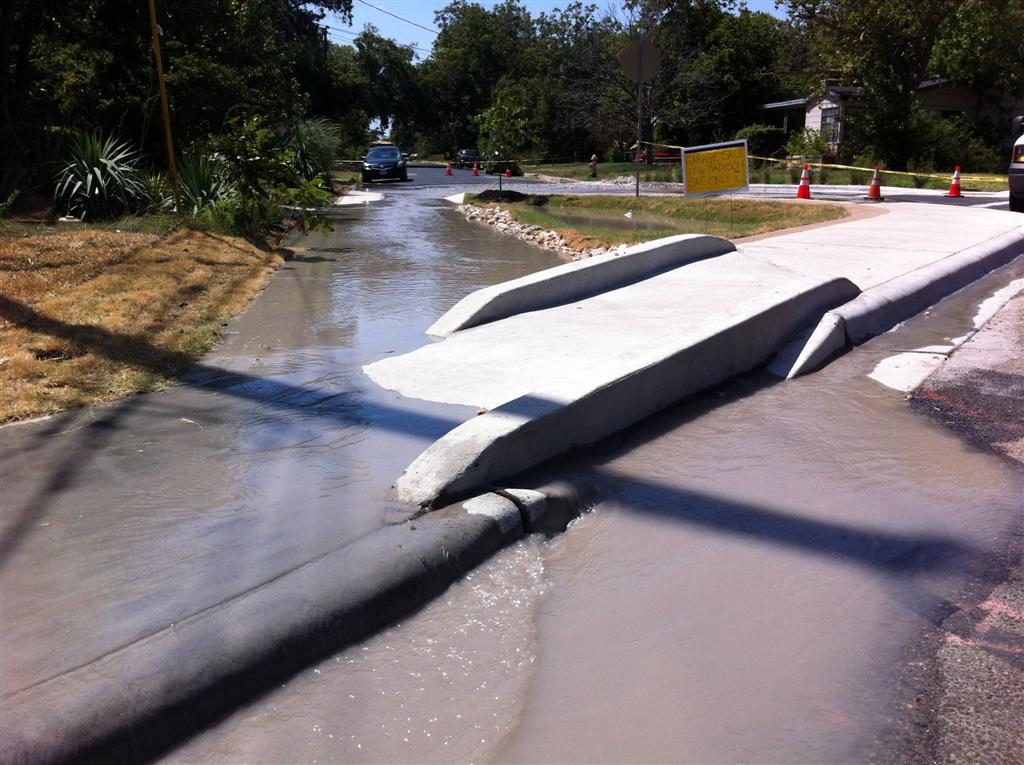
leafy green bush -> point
(920, 166)
(101, 179)
(250, 181)
(943, 143)
(808, 143)
(498, 167)
(253, 159)
(763, 140)
(313, 144)
(867, 159)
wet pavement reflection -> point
(745, 591)
(123, 519)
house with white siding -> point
(829, 109)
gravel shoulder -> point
(963, 686)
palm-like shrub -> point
(159, 196)
(313, 144)
(101, 179)
(202, 182)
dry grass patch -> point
(92, 315)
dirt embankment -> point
(503, 221)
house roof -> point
(790, 104)
(843, 91)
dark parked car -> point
(466, 157)
(384, 162)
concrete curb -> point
(576, 280)
(527, 431)
(139, 701)
(881, 308)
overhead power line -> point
(336, 30)
(396, 16)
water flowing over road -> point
(277, 449)
(745, 590)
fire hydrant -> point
(593, 166)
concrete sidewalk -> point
(570, 374)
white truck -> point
(1017, 167)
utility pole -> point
(166, 107)
(639, 124)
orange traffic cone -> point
(954, 185)
(804, 191)
(508, 172)
(448, 171)
(476, 168)
(875, 189)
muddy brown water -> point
(120, 520)
(745, 591)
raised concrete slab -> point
(872, 251)
(576, 280)
(558, 377)
(563, 351)
(536, 427)
(883, 304)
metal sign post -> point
(640, 60)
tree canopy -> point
(500, 78)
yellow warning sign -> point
(715, 168)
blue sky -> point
(421, 12)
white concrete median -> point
(538, 426)
(580, 279)
(566, 357)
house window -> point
(830, 124)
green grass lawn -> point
(764, 173)
(599, 221)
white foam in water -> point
(357, 197)
(992, 305)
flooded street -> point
(744, 591)
(276, 450)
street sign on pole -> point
(640, 60)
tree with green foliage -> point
(88, 64)
(474, 49)
(393, 87)
(890, 47)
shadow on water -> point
(882, 551)
(896, 556)
(346, 408)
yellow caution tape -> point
(941, 176)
